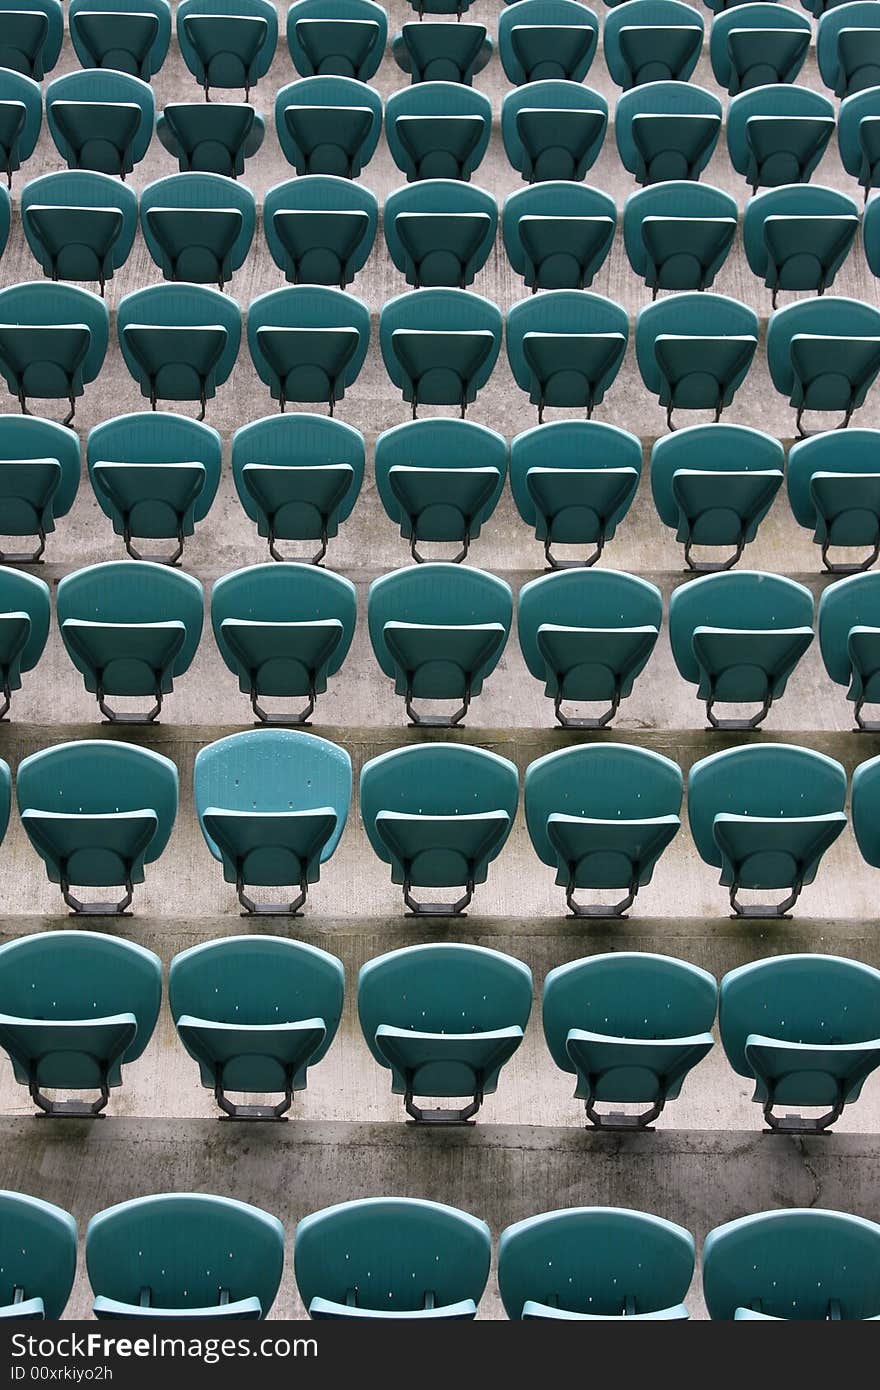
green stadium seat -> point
(565, 347)
(437, 52)
(439, 346)
(667, 130)
(38, 1255)
(848, 48)
(79, 225)
(438, 130)
(694, 350)
(308, 342)
(777, 134)
(328, 125)
(824, 354)
(678, 234)
(797, 237)
(871, 236)
(755, 45)
(834, 491)
(5, 217)
(198, 227)
(557, 234)
(227, 43)
(115, 34)
(39, 480)
(652, 41)
(211, 139)
(349, 42)
(553, 129)
(31, 36)
(24, 630)
(21, 116)
(440, 231)
(320, 228)
(5, 797)
(456, 7)
(53, 339)
(539, 39)
(100, 119)
(858, 137)
(849, 639)
(179, 342)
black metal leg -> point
(554, 564)
(69, 1109)
(455, 909)
(231, 1111)
(78, 908)
(618, 909)
(437, 721)
(600, 723)
(293, 559)
(712, 566)
(34, 557)
(618, 1120)
(758, 910)
(111, 717)
(252, 909)
(283, 720)
(738, 724)
(173, 559)
(801, 1124)
(858, 568)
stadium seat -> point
(805, 1029)
(553, 129)
(438, 813)
(848, 48)
(439, 346)
(349, 42)
(308, 342)
(587, 634)
(795, 1264)
(272, 805)
(738, 637)
(444, 1019)
(871, 236)
(667, 130)
(438, 631)
(440, 231)
(557, 234)
(565, 347)
(115, 34)
(440, 480)
(179, 342)
(79, 225)
(584, 1263)
(255, 1012)
(391, 1257)
(283, 631)
(694, 350)
(601, 815)
(834, 491)
(96, 811)
(320, 229)
(817, 7)
(21, 116)
(678, 234)
(798, 236)
(438, 130)
(575, 485)
(24, 629)
(5, 217)
(38, 1255)
(777, 134)
(130, 630)
(456, 7)
(765, 813)
(849, 639)
(824, 354)
(53, 339)
(100, 119)
(184, 1255)
(328, 125)
(437, 52)
(541, 39)
(629, 1026)
(652, 41)
(198, 227)
(756, 45)
(31, 38)
(39, 479)
(5, 797)
(75, 1008)
(858, 137)
(154, 475)
(211, 139)
(227, 43)
(298, 477)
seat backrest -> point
(5, 797)
(224, 74)
(639, 15)
(301, 439)
(436, 99)
(853, 110)
(328, 91)
(284, 593)
(843, 451)
(826, 316)
(540, 13)
(438, 443)
(37, 1251)
(552, 198)
(44, 304)
(790, 200)
(717, 448)
(24, 437)
(100, 85)
(182, 306)
(865, 802)
(14, 86)
(751, 16)
(439, 196)
(307, 306)
(596, 598)
(591, 1259)
(745, 600)
(438, 310)
(51, 47)
(550, 94)
(161, 9)
(856, 14)
(155, 436)
(561, 311)
(357, 11)
(658, 99)
(81, 188)
(198, 191)
(568, 444)
(675, 198)
(435, 594)
(133, 591)
(776, 99)
(392, 1251)
(848, 603)
(21, 592)
(699, 314)
(185, 1247)
(321, 193)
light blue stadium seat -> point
(584, 1263)
(678, 234)
(553, 129)
(713, 485)
(31, 38)
(115, 34)
(849, 639)
(184, 1255)
(439, 346)
(865, 801)
(21, 116)
(798, 236)
(39, 480)
(53, 339)
(557, 234)
(96, 811)
(328, 125)
(255, 1012)
(579, 489)
(298, 477)
(848, 48)
(75, 1008)
(858, 137)
(438, 813)
(349, 42)
(283, 631)
(565, 347)
(25, 608)
(777, 134)
(444, 1019)
(796, 1264)
(540, 39)
(440, 480)
(834, 491)
(587, 634)
(320, 228)
(824, 354)
(179, 341)
(694, 350)
(391, 1257)
(438, 52)
(652, 41)
(198, 227)
(666, 130)
(438, 631)
(130, 629)
(79, 225)
(630, 1026)
(211, 139)
(100, 119)
(38, 1255)
(764, 814)
(438, 130)
(755, 45)
(440, 231)
(227, 43)
(308, 342)
(272, 805)
(738, 638)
